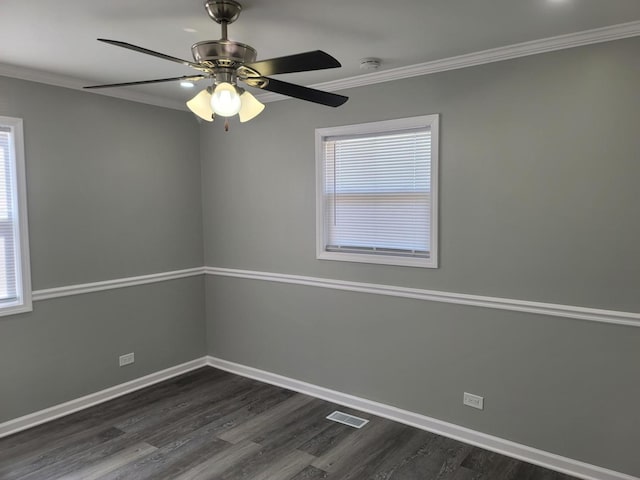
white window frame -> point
(23, 302)
(387, 126)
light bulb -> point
(225, 100)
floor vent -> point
(340, 417)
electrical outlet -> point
(475, 401)
(127, 359)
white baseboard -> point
(57, 411)
(450, 430)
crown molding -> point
(39, 76)
(534, 47)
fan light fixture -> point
(225, 63)
(225, 100)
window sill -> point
(378, 259)
(15, 308)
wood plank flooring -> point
(209, 424)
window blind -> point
(8, 220)
(377, 193)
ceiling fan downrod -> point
(223, 12)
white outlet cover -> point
(127, 359)
(474, 401)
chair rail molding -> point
(552, 309)
(614, 317)
(114, 283)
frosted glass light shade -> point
(251, 107)
(201, 105)
(225, 100)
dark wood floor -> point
(209, 424)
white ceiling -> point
(56, 41)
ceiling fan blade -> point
(144, 82)
(146, 51)
(301, 62)
(305, 93)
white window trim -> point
(23, 267)
(385, 126)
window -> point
(377, 192)
(15, 281)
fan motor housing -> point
(225, 53)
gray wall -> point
(538, 202)
(113, 191)
(539, 171)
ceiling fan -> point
(226, 62)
